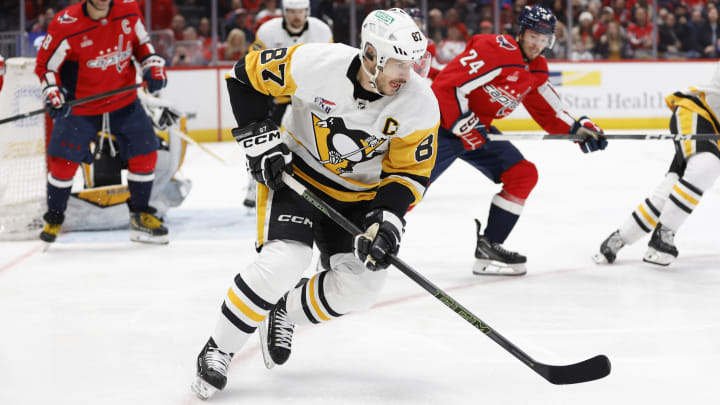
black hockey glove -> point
(267, 156)
(593, 138)
(383, 231)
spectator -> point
(161, 13)
(234, 47)
(582, 38)
(600, 26)
(710, 33)
(696, 44)
(177, 26)
(622, 14)
(669, 43)
(640, 35)
(239, 19)
(486, 27)
(436, 28)
(453, 46)
(271, 10)
(204, 32)
(613, 45)
(468, 15)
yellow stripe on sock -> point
(313, 301)
(685, 195)
(244, 308)
(647, 216)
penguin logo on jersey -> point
(341, 148)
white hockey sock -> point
(256, 289)
(701, 172)
(348, 287)
(645, 217)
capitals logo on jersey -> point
(66, 18)
(341, 148)
(119, 57)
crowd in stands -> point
(600, 29)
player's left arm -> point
(545, 106)
(153, 65)
(407, 166)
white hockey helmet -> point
(295, 4)
(392, 34)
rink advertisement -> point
(616, 95)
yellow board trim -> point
(313, 301)
(244, 308)
(685, 195)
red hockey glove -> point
(592, 134)
(470, 130)
(55, 100)
(154, 73)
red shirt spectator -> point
(640, 33)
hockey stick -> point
(191, 141)
(588, 370)
(568, 137)
(72, 103)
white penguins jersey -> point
(273, 34)
(347, 147)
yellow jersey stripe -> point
(345, 196)
(243, 307)
(313, 300)
(261, 211)
(269, 71)
(685, 195)
(647, 216)
(407, 185)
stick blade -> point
(588, 370)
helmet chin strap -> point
(372, 76)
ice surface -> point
(100, 320)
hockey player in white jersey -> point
(296, 27)
(694, 169)
(361, 132)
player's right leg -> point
(502, 163)
(69, 146)
(284, 240)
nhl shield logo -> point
(341, 148)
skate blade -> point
(202, 389)
(484, 267)
(142, 237)
(262, 333)
(600, 258)
(653, 256)
(250, 204)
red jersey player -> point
(87, 51)
(493, 75)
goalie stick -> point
(73, 102)
(569, 137)
(588, 370)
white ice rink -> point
(100, 320)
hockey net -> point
(23, 168)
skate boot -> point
(212, 367)
(609, 249)
(661, 248)
(276, 333)
(145, 227)
(494, 259)
(250, 194)
(53, 223)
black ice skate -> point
(145, 227)
(53, 223)
(276, 333)
(609, 249)
(494, 259)
(661, 248)
(212, 366)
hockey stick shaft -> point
(191, 141)
(73, 102)
(588, 370)
(569, 137)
